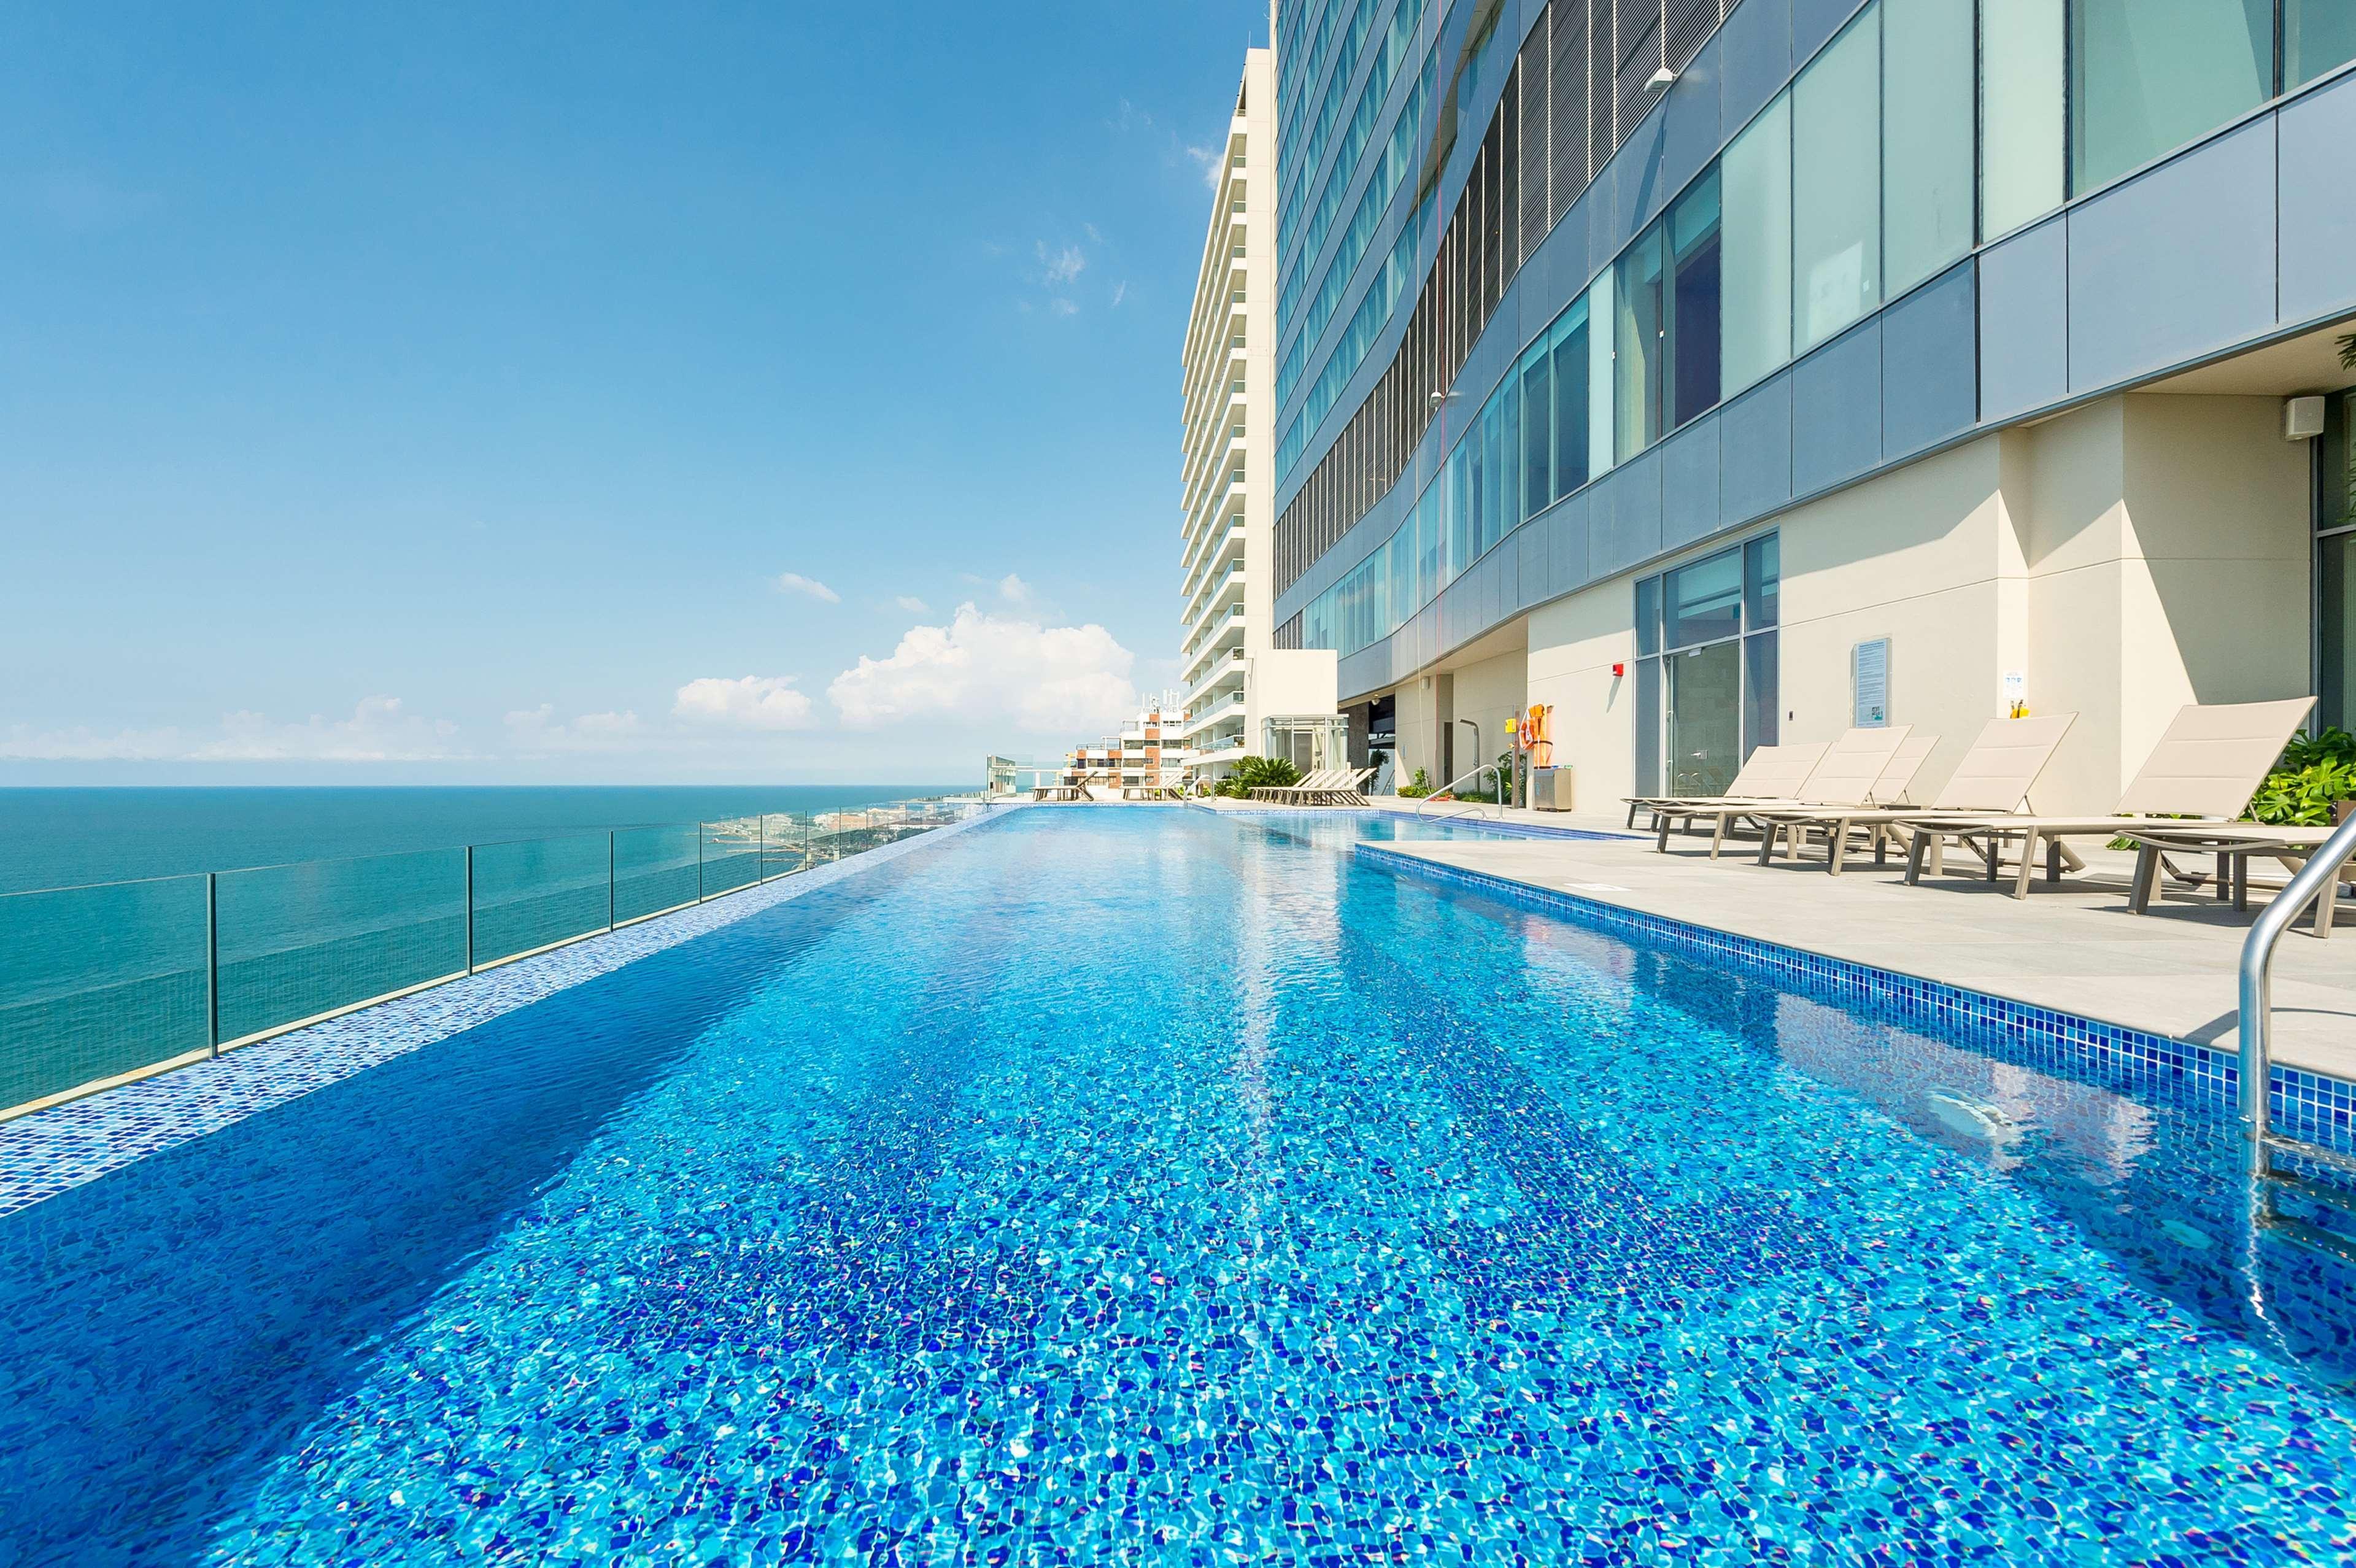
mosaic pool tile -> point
(1132, 1188)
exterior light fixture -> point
(1662, 78)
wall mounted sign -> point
(1869, 683)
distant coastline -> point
(61, 836)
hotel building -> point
(1238, 689)
(1728, 372)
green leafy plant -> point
(1418, 788)
(1251, 773)
(2316, 773)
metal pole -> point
(470, 908)
(213, 963)
(761, 833)
(609, 879)
(2318, 878)
(699, 863)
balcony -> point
(1229, 667)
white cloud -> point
(748, 701)
(538, 730)
(985, 667)
(1063, 308)
(379, 730)
(1093, 236)
(795, 582)
(1119, 293)
(1207, 158)
(1063, 265)
(912, 604)
(1013, 589)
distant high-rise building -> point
(1237, 687)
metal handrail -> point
(2318, 878)
(1449, 788)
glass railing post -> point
(213, 963)
(761, 856)
(699, 863)
(470, 908)
(609, 879)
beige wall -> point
(2166, 541)
(1489, 693)
(1574, 643)
(2141, 552)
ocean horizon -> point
(54, 836)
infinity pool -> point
(1144, 1186)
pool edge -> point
(2301, 1097)
(73, 1142)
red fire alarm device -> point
(1618, 670)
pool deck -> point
(2075, 948)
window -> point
(1755, 320)
(1639, 345)
(2021, 77)
(1599, 456)
(2318, 34)
(2147, 76)
(1694, 303)
(1707, 668)
(1536, 375)
(2335, 567)
(1926, 138)
(1570, 357)
(1837, 184)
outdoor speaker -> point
(2302, 418)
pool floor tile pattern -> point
(50, 1151)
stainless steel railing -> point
(1473, 808)
(2318, 878)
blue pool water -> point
(1144, 1186)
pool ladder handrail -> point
(2318, 878)
(1471, 808)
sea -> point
(65, 837)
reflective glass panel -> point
(1837, 184)
(1927, 135)
(2317, 36)
(1703, 601)
(2021, 95)
(1571, 400)
(1756, 316)
(1761, 696)
(1694, 303)
(2336, 628)
(1705, 718)
(1648, 615)
(1762, 581)
(1648, 726)
(2147, 75)
(1538, 428)
(1639, 345)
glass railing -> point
(102, 982)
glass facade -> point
(1923, 127)
(1706, 668)
(1756, 316)
(2335, 567)
(2023, 86)
(2147, 75)
(1926, 139)
(1837, 184)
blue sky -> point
(552, 393)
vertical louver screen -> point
(1580, 84)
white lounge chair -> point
(1995, 775)
(1851, 766)
(1301, 793)
(2208, 764)
(2233, 843)
(1770, 773)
